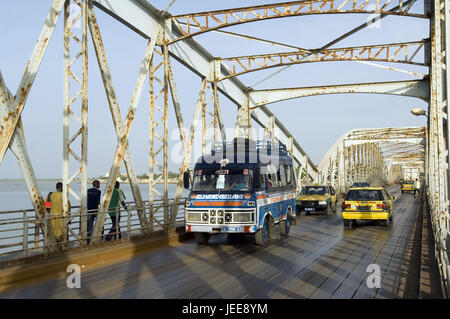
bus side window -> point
(272, 181)
(289, 179)
(282, 174)
(262, 182)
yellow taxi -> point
(367, 203)
(407, 186)
(317, 198)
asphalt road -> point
(319, 259)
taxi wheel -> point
(385, 222)
(202, 238)
(391, 218)
(346, 222)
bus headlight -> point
(242, 217)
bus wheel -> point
(285, 226)
(262, 235)
(202, 238)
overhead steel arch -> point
(416, 88)
(406, 52)
(368, 155)
(213, 20)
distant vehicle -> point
(317, 198)
(367, 203)
(360, 184)
(407, 186)
(241, 189)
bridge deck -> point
(320, 259)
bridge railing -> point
(21, 232)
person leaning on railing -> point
(93, 200)
(57, 216)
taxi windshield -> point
(364, 195)
(222, 180)
(318, 190)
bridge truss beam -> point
(214, 20)
(416, 88)
(406, 52)
(368, 155)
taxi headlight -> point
(322, 202)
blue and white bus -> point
(241, 187)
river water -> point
(14, 194)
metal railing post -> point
(25, 234)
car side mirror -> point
(393, 197)
(186, 179)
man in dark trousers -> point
(93, 200)
(117, 198)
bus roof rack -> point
(247, 145)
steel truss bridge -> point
(377, 155)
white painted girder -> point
(416, 88)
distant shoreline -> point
(102, 181)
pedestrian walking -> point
(117, 199)
(416, 187)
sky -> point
(315, 122)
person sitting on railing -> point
(117, 198)
(60, 229)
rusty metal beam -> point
(187, 155)
(121, 129)
(214, 20)
(392, 52)
(8, 123)
(18, 147)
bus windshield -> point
(222, 180)
(314, 191)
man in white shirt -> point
(416, 187)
